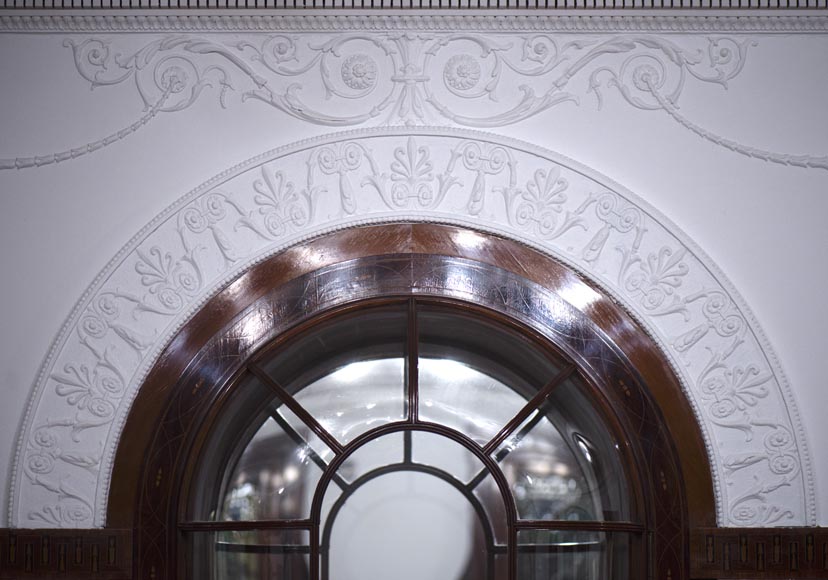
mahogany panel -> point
(45, 554)
(754, 553)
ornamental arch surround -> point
(289, 314)
(281, 199)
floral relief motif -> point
(731, 395)
(540, 207)
(462, 72)
(411, 174)
(655, 280)
(491, 80)
(281, 206)
(432, 175)
(359, 72)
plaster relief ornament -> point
(462, 72)
(359, 72)
(353, 77)
(117, 331)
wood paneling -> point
(754, 553)
(66, 554)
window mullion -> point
(297, 409)
(297, 438)
(532, 405)
(412, 378)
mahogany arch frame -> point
(184, 391)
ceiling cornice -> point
(684, 21)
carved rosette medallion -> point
(359, 72)
(462, 72)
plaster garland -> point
(188, 253)
(413, 78)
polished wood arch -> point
(166, 422)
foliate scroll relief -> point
(413, 78)
(459, 177)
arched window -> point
(436, 405)
(412, 440)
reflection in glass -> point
(487, 493)
(348, 374)
(466, 399)
(562, 465)
(253, 554)
(437, 451)
(572, 555)
(273, 479)
(475, 375)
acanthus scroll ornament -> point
(413, 78)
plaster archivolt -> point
(413, 77)
(208, 237)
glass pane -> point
(274, 478)
(348, 374)
(562, 465)
(572, 555)
(487, 493)
(374, 455)
(293, 424)
(475, 375)
(465, 399)
(253, 554)
(406, 526)
(431, 449)
(401, 518)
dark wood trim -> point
(44, 554)
(754, 553)
(715, 553)
(245, 525)
(579, 525)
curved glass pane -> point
(572, 555)
(561, 463)
(250, 554)
(475, 375)
(274, 479)
(436, 451)
(461, 397)
(349, 374)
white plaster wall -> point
(762, 223)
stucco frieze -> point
(357, 78)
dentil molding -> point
(695, 20)
(356, 71)
(82, 396)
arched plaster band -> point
(117, 330)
